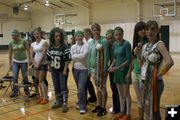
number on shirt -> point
(55, 63)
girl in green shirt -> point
(120, 67)
(139, 39)
(95, 47)
(18, 59)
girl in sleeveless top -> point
(156, 62)
(39, 49)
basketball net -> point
(163, 12)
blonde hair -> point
(95, 25)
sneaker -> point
(13, 95)
(56, 105)
(96, 109)
(64, 108)
(44, 101)
(82, 111)
(101, 112)
(77, 106)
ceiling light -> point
(46, 3)
(25, 7)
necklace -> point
(78, 51)
(149, 46)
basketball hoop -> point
(163, 13)
(59, 19)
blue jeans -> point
(80, 77)
(60, 85)
(16, 68)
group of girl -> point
(147, 61)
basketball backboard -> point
(61, 19)
(165, 8)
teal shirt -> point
(92, 53)
(19, 49)
(136, 69)
(122, 53)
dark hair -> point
(155, 24)
(38, 29)
(139, 26)
(88, 31)
(150, 23)
(119, 29)
(32, 37)
(95, 25)
(51, 36)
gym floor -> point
(15, 109)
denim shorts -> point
(43, 67)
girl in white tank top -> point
(39, 48)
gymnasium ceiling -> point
(54, 5)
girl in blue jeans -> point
(58, 57)
(18, 60)
(79, 53)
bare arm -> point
(10, 57)
(28, 53)
(111, 66)
(67, 59)
(113, 62)
(128, 56)
(126, 63)
(32, 55)
(113, 69)
(131, 66)
(167, 59)
(65, 70)
(138, 52)
(140, 62)
(128, 75)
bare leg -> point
(121, 97)
(42, 75)
(128, 98)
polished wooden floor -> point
(16, 110)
